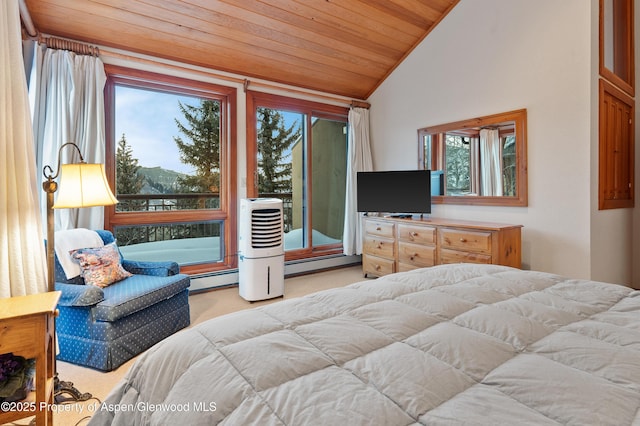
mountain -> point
(159, 180)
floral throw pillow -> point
(100, 266)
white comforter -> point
(448, 345)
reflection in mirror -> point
(477, 161)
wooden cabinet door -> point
(616, 162)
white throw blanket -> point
(72, 239)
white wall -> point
(493, 56)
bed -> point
(447, 345)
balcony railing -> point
(287, 207)
(167, 202)
(192, 201)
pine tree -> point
(458, 164)
(274, 143)
(201, 147)
(128, 178)
(128, 181)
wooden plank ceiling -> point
(344, 47)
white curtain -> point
(22, 254)
(475, 167)
(491, 162)
(358, 160)
(69, 107)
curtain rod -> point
(360, 104)
(74, 46)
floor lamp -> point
(81, 185)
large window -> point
(297, 151)
(170, 154)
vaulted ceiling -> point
(343, 47)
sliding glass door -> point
(328, 179)
(297, 152)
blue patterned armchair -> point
(104, 327)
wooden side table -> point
(27, 329)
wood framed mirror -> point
(480, 161)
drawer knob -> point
(463, 240)
(378, 229)
(377, 267)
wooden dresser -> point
(27, 328)
(395, 245)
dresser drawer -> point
(417, 255)
(376, 265)
(417, 234)
(465, 240)
(455, 256)
(381, 229)
(381, 247)
(18, 335)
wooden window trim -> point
(228, 155)
(623, 36)
(312, 109)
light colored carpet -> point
(203, 306)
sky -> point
(147, 119)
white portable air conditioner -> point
(261, 249)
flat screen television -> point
(399, 193)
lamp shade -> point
(83, 185)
